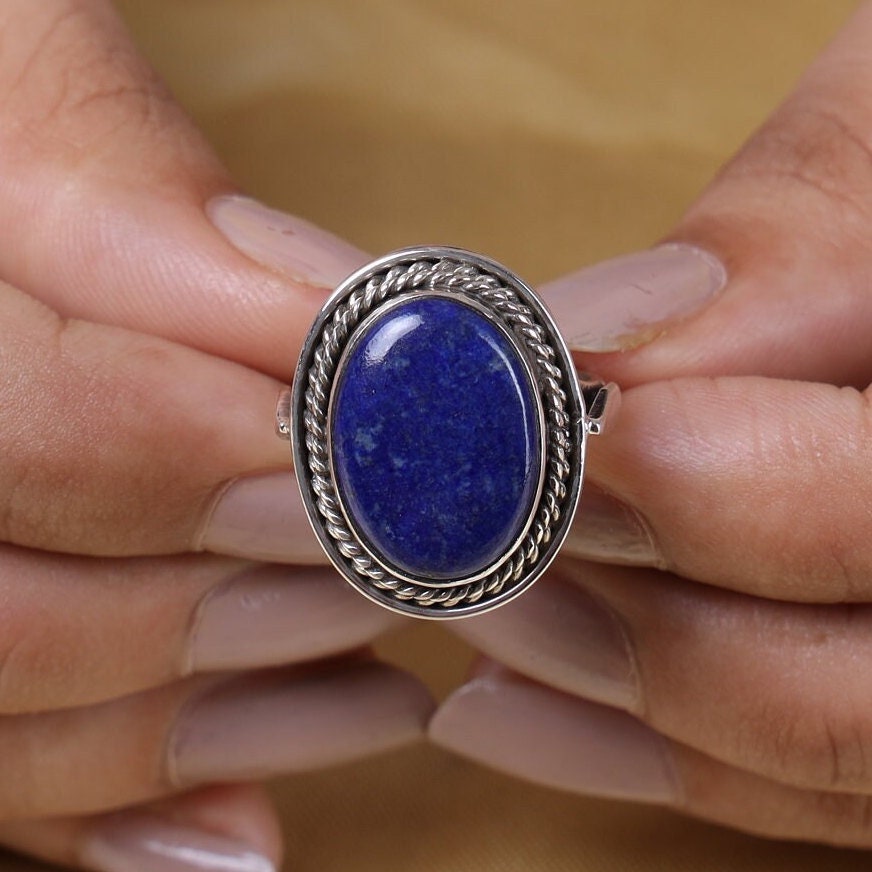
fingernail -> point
(261, 517)
(558, 633)
(610, 531)
(137, 842)
(288, 721)
(556, 740)
(630, 300)
(273, 615)
(284, 242)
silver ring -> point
(439, 431)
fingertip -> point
(242, 812)
(240, 728)
(298, 249)
(150, 843)
(551, 738)
(273, 615)
(214, 829)
(631, 300)
(561, 635)
(260, 516)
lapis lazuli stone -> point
(436, 438)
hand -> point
(140, 351)
(727, 674)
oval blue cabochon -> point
(436, 438)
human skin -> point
(140, 295)
(725, 671)
(140, 352)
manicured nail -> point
(138, 842)
(609, 531)
(625, 302)
(288, 721)
(261, 517)
(555, 739)
(558, 633)
(274, 615)
(284, 242)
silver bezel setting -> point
(514, 307)
(359, 535)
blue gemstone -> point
(436, 438)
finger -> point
(88, 411)
(95, 152)
(564, 742)
(75, 631)
(778, 689)
(753, 484)
(789, 217)
(219, 729)
(231, 828)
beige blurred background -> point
(547, 134)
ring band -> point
(439, 431)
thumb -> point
(105, 193)
(789, 218)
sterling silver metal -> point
(570, 408)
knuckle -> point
(37, 660)
(77, 86)
(846, 817)
(841, 549)
(29, 665)
(811, 149)
(823, 750)
(82, 415)
(36, 476)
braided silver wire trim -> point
(449, 275)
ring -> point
(438, 431)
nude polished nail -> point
(556, 740)
(630, 300)
(261, 517)
(559, 634)
(280, 721)
(283, 242)
(273, 615)
(609, 531)
(140, 842)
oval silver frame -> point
(351, 523)
(511, 303)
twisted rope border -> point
(453, 276)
